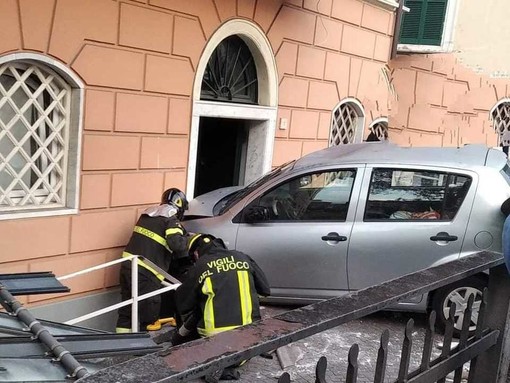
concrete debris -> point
(288, 356)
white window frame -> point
(360, 124)
(385, 4)
(452, 10)
(73, 130)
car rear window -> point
(408, 194)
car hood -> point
(203, 205)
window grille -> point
(231, 74)
(378, 131)
(346, 121)
(35, 106)
(501, 118)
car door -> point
(302, 244)
(408, 219)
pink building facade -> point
(116, 102)
(444, 103)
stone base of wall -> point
(65, 310)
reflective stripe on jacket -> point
(145, 266)
(157, 239)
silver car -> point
(352, 216)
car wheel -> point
(459, 294)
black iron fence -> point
(487, 350)
(451, 360)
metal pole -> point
(134, 294)
(168, 287)
(492, 366)
(94, 268)
(396, 29)
(40, 332)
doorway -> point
(236, 78)
(221, 153)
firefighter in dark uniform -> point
(159, 237)
(220, 292)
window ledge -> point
(37, 213)
(386, 4)
(411, 48)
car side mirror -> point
(256, 214)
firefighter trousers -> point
(148, 309)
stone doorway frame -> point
(261, 118)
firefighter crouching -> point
(159, 237)
(220, 292)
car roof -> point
(468, 156)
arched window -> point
(38, 139)
(500, 115)
(347, 123)
(378, 130)
(231, 74)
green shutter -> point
(434, 22)
(411, 22)
(424, 23)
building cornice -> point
(386, 4)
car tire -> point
(459, 293)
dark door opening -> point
(221, 153)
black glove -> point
(177, 339)
(180, 336)
(230, 373)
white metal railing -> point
(134, 291)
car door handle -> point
(334, 237)
(444, 237)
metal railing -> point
(488, 349)
(135, 298)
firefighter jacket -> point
(159, 238)
(221, 291)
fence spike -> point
(480, 324)
(382, 355)
(428, 342)
(448, 335)
(464, 334)
(320, 370)
(406, 352)
(285, 378)
(352, 366)
(466, 323)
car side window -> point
(320, 196)
(407, 194)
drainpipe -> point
(63, 356)
(396, 30)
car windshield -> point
(232, 199)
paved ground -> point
(335, 344)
